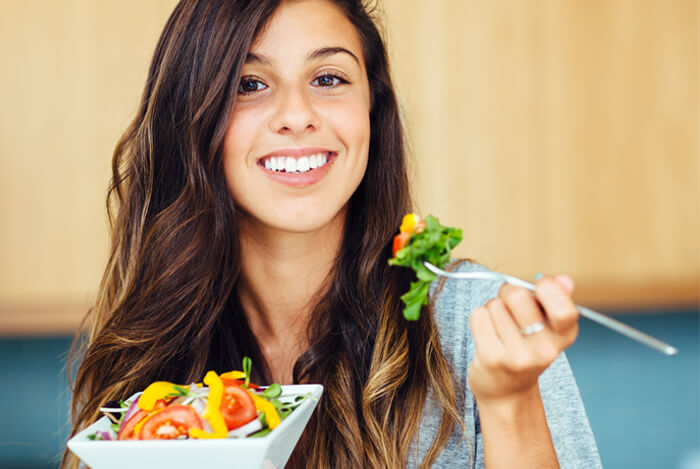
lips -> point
(297, 166)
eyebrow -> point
(313, 55)
(257, 58)
(326, 51)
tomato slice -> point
(126, 432)
(170, 423)
(400, 241)
(237, 407)
(240, 382)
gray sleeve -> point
(568, 424)
(566, 417)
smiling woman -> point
(254, 201)
(304, 98)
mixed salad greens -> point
(420, 241)
(222, 406)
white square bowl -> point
(268, 452)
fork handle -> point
(602, 319)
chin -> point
(302, 219)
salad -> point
(417, 242)
(222, 406)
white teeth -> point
(303, 164)
(292, 165)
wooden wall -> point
(561, 135)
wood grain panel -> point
(562, 135)
(71, 81)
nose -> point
(295, 113)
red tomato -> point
(240, 382)
(170, 423)
(400, 241)
(237, 407)
(126, 432)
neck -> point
(282, 276)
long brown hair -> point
(167, 307)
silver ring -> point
(533, 328)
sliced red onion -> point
(133, 408)
(206, 426)
(195, 388)
(199, 405)
(178, 400)
(245, 430)
(107, 436)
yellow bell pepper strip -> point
(263, 405)
(409, 222)
(233, 375)
(155, 392)
(212, 412)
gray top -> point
(566, 417)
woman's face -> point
(297, 143)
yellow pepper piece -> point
(263, 405)
(233, 375)
(409, 221)
(212, 413)
(154, 393)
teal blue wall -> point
(34, 402)
(643, 407)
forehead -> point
(300, 26)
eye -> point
(250, 85)
(329, 80)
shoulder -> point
(452, 304)
(455, 299)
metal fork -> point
(600, 318)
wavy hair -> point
(167, 307)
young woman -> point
(254, 198)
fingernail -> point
(538, 276)
(566, 281)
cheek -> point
(237, 137)
(238, 142)
(350, 120)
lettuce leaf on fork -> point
(419, 242)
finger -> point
(553, 293)
(522, 305)
(522, 353)
(486, 338)
(540, 348)
(566, 282)
(504, 323)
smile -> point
(296, 164)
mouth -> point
(297, 161)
